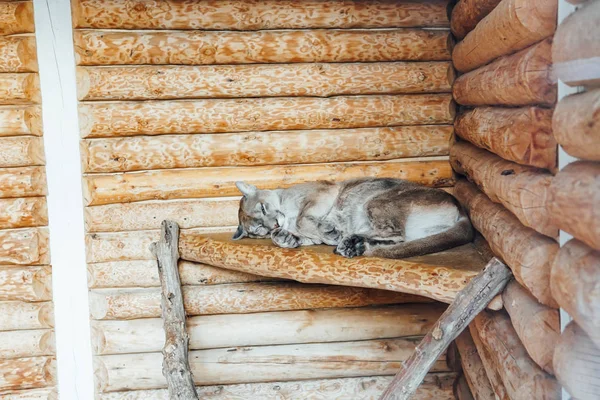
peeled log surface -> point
(25, 212)
(575, 283)
(576, 52)
(48, 393)
(575, 124)
(21, 151)
(270, 328)
(17, 315)
(521, 79)
(25, 246)
(19, 88)
(25, 283)
(266, 80)
(20, 120)
(262, 114)
(267, 363)
(523, 190)
(488, 365)
(262, 47)
(18, 54)
(528, 253)
(473, 368)
(522, 377)
(523, 135)
(27, 373)
(22, 182)
(250, 15)
(574, 199)
(467, 14)
(263, 148)
(537, 326)
(577, 363)
(511, 26)
(30, 343)
(16, 17)
(219, 182)
(239, 298)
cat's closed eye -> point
(264, 210)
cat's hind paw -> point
(283, 238)
(351, 246)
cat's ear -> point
(246, 188)
(240, 233)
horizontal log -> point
(20, 120)
(25, 212)
(22, 182)
(25, 246)
(17, 315)
(27, 373)
(521, 79)
(575, 52)
(436, 386)
(267, 363)
(467, 14)
(523, 135)
(25, 283)
(575, 124)
(218, 182)
(21, 151)
(522, 377)
(19, 88)
(247, 15)
(272, 328)
(523, 190)
(262, 114)
(204, 47)
(16, 17)
(473, 368)
(537, 326)
(18, 54)
(528, 253)
(49, 393)
(30, 343)
(511, 26)
(239, 298)
(263, 80)
(264, 148)
(577, 363)
(574, 282)
(488, 365)
(574, 199)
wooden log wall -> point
(27, 353)
(178, 100)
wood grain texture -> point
(27, 373)
(30, 343)
(467, 14)
(18, 54)
(22, 182)
(523, 190)
(262, 47)
(528, 253)
(257, 15)
(25, 283)
(267, 363)
(262, 80)
(473, 368)
(48, 393)
(575, 284)
(218, 182)
(523, 135)
(537, 326)
(16, 17)
(574, 199)
(521, 79)
(262, 114)
(29, 246)
(20, 120)
(511, 26)
(263, 148)
(21, 88)
(488, 365)
(575, 124)
(18, 315)
(239, 298)
(270, 328)
(21, 151)
(25, 212)
(577, 363)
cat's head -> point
(259, 212)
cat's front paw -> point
(351, 246)
(283, 238)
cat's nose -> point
(276, 225)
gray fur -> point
(388, 218)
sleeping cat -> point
(389, 218)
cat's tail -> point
(460, 233)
